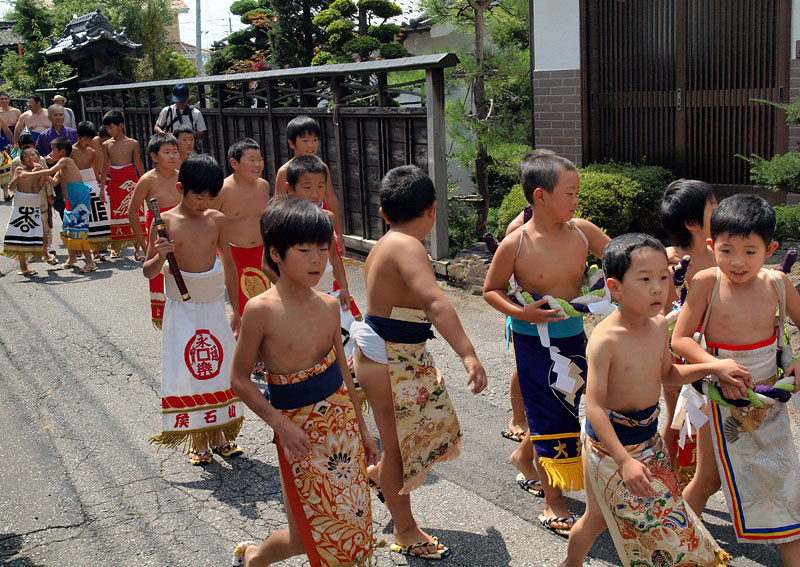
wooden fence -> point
(373, 116)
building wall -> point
(794, 75)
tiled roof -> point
(87, 29)
(7, 34)
(411, 11)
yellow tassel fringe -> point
(175, 439)
(566, 474)
(157, 323)
(721, 558)
(27, 253)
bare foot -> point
(89, 268)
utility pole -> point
(198, 53)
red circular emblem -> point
(203, 355)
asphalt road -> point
(80, 485)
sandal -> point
(115, 254)
(442, 553)
(563, 532)
(379, 493)
(228, 451)
(52, 260)
(87, 269)
(28, 272)
(517, 436)
(68, 266)
(530, 486)
(238, 553)
(138, 256)
(198, 459)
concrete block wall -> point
(557, 99)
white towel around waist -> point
(204, 287)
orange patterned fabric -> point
(329, 491)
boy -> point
(75, 227)
(393, 365)
(632, 489)
(160, 182)
(303, 134)
(197, 345)
(685, 215)
(24, 234)
(324, 446)
(85, 157)
(243, 198)
(734, 307)
(185, 136)
(547, 256)
(46, 198)
(121, 162)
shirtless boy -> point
(243, 198)
(303, 134)
(199, 241)
(403, 300)
(75, 228)
(295, 330)
(734, 306)
(20, 241)
(86, 158)
(685, 214)
(185, 136)
(122, 167)
(547, 256)
(631, 488)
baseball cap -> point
(180, 93)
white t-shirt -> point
(191, 117)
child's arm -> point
(137, 159)
(635, 474)
(689, 319)
(6, 130)
(140, 193)
(339, 275)
(793, 312)
(157, 250)
(415, 269)
(370, 448)
(293, 439)
(104, 173)
(225, 256)
(596, 237)
(15, 178)
(45, 172)
(333, 205)
(496, 283)
(280, 181)
(98, 158)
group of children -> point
(280, 262)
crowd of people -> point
(279, 259)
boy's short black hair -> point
(542, 168)
(25, 138)
(288, 222)
(239, 147)
(86, 129)
(62, 143)
(406, 193)
(182, 129)
(684, 202)
(22, 152)
(300, 125)
(306, 163)
(200, 173)
(160, 139)
(618, 252)
(102, 132)
(113, 117)
(743, 215)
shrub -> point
(512, 205)
(608, 199)
(782, 172)
(787, 223)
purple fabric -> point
(47, 136)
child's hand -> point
(477, 374)
(637, 478)
(102, 195)
(344, 298)
(370, 448)
(163, 247)
(792, 370)
(540, 312)
(734, 379)
(293, 439)
(37, 167)
(340, 243)
(236, 324)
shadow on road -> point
(10, 544)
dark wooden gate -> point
(670, 82)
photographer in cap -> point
(180, 113)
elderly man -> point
(35, 119)
(69, 120)
(179, 113)
(55, 113)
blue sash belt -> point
(396, 331)
(307, 392)
(631, 428)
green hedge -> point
(619, 198)
(787, 223)
(780, 172)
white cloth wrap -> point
(370, 343)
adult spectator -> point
(70, 116)
(9, 115)
(180, 113)
(55, 113)
(35, 119)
